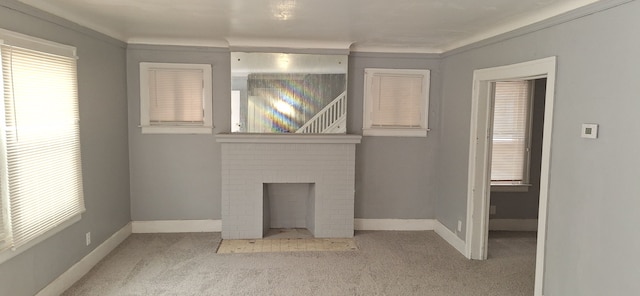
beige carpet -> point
(386, 263)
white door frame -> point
(479, 156)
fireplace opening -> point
(288, 210)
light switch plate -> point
(589, 131)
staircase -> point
(331, 119)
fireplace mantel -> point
(289, 138)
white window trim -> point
(176, 128)
(10, 253)
(510, 188)
(33, 43)
(368, 129)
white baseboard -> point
(175, 226)
(450, 237)
(78, 270)
(513, 224)
(394, 224)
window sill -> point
(395, 132)
(10, 253)
(510, 187)
(189, 130)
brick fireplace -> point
(249, 161)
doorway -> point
(480, 156)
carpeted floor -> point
(386, 263)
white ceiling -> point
(364, 25)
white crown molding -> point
(177, 48)
(395, 49)
(516, 27)
(395, 55)
(80, 20)
(289, 50)
(179, 42)
(57, 20)
(287, 43)
(598, 6)
(520, 22)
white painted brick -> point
(247, 166)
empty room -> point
(305, 147)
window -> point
(175, 98)
(396, 102)
(511, 133)
(41, 176)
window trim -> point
(368, 129)
(11, 252)
(525, 184)
(510, 187)
(33, 43)
(45, 46)
(176, 127)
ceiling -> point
(363, 25)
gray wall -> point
(524, 205)
(288, 204)
(396, 177)
(103, 134)
(592, 235)
(177, 177)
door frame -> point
(478, 190)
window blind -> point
(5, 239)
(42, 178)
(397, 100)
(176, 95)
(510, 131)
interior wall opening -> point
(516, 155)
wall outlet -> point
(87, 237)
(492, 210)
(459, 226)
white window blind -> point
(175, 98)
(397, 100)
(41, 178)
(510, 131)
(176, 95)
